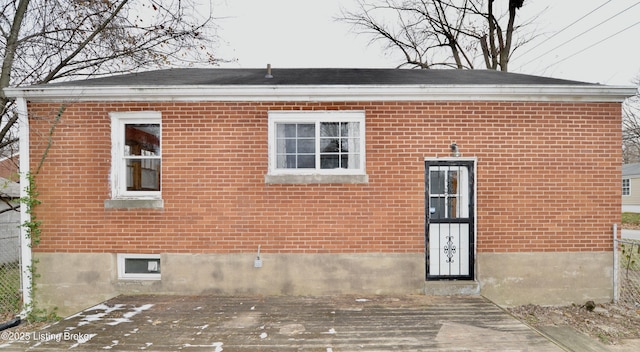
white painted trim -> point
(573, 93)
(25, 242)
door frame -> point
(471, 163)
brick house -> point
(377, 181)
(631, 188)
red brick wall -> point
(548, 179)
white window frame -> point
(316, 117)
(628, 187)
(118, 165)
(122, 275)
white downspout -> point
(616, 268)
(25, 242)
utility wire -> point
(581, 34)
(592, 45)
(563, 29)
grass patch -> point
(632, 219)
(10, 299)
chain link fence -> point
(10, 284)
(10, 294)
(628, 272)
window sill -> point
(140, 278)
(304, 179)
(134, 204)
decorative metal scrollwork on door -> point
(449, 249)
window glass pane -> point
(306, 146)
(329, 129)
(143, 174)
(288, 146)
(142, 139)
(352, 159)
(289, 129)
(452, 182)
(329, 161)
(453, 211)
(437, 208)
(295, 145)
(334, 161)
(286, 161)
(349, 145)
(329, 145)
(350, 129)
(306, 162)
(141, 266)
(444, 208)
(436, 182)
(306, 130)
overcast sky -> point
(303, 33)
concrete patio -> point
(286, 323)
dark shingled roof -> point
(316, 76)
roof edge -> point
(586, 93)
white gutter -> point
(577, 93)
(25, 241)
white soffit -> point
(570, 93)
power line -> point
(581, 34)
(592, 45)
(563, 29)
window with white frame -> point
(138, 266)
(626, 189)
(136, 155)
(316, 143)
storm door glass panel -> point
(142, 156)
(295, 145)
(445, 192)
(453, 210)
(437, 192)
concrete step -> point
(451, 287)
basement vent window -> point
(139, 266)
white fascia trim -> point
(586, 93)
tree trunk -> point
(514, 5)
(493, 52)
(12, 44)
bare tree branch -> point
(49, 40)
(11, 46)
(444, 33)
(631, 128)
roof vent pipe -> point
(268, 75)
